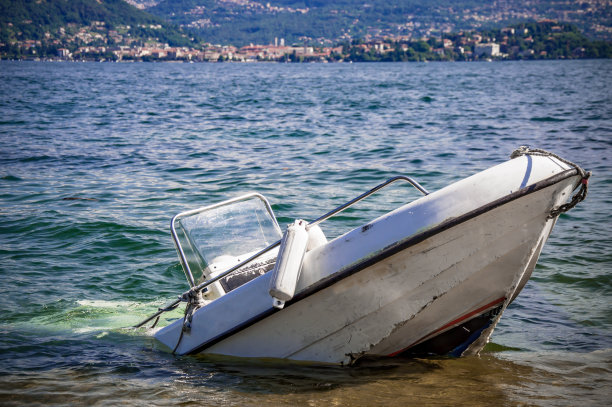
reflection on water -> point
(491, 379)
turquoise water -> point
(96, 158)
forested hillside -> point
(355, 30)
(319, 21)
(51, 20)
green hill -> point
(114, 29)
(56, 22)
(319, 21)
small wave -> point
(4, 122)
(35, 158)
(299, 134)
(546, 119)
(78, 198)
(107, 304)
(445, 155)
(229, 117)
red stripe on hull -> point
(452, 323)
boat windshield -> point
(232, 229)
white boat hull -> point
(433, 276)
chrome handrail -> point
(365, 195)
(195, 289)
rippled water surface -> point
(96, 158)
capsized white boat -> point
(432, 277)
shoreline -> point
(56, 60)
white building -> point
(489, 50)
(63, 53)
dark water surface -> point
(96, 158)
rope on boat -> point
(194, 302)
(161, 311)
(584, 182)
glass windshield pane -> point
(234, 229)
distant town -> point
(546, 39)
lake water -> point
(96, 158)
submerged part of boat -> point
(432, 277)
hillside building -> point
(488, 50)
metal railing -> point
(365, 195)
(196, 289)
